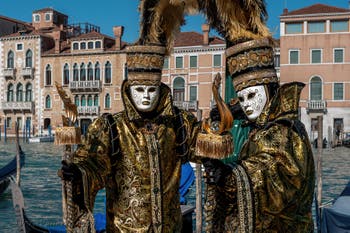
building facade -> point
(314, 49)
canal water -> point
(41, 186)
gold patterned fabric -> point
(142, 177)
(271, 188)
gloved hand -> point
(70, 172)
(216, 171)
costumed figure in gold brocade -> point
(270, 188)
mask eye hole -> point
(240, 99)
(251, 95)
(152, 89)
(139, 89)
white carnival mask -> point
(144, 97)
(252, 100)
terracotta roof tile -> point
(186, 39)
(316, 9)
(90, 35)
(27, 33)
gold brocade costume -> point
(271, 187)
(142, 177)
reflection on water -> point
(42, 187)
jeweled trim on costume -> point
(156, 192)
(248, 45)
(144, 61)
(254, 78)
(144, 77)
(245, 201)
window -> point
(108, 72)
(75, 46)
(83, 100)
(19, 122)
(10, 59)
(19, 92)
(19, 47)
(338, 55)
(294, 57)
(166, 63)
(98, 44)
(97, 71)
(90, 72)
(82, 72)
(48, 78)
(193, 61)
(47, 124)
(29, 58)
(179, 62)
(66, 74)
(36, 18)
(76, 100)
(10, 93)
(75, 72)
(316, 27)
(107, 101)
(96, 100)
(179, 89)
(29, 92)
(316, 56)
(277, 60)
(316, 88)
(340, 26)
(90, 45)
(47, 17)
(48, 102)
(294, 28)
(83, 45)
(338, 91)
(8, 122)
(89, 100)
(193, 93)
(217, 60)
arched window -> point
(179, 89)
(75, 72)
(10, 59)
(83, 100)
(83, 45)
(107, 101)
(108, 72)
(48, 73)
(316, 88)
(76, 100)
(48, 101)
(97, 71)
(89, 100)
(29, 58)
(66, 74)
(82, 72)
(96, 100)
(29, 92)
(19, 92)
(10, 93)
(90, 72)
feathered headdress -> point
(162, 19)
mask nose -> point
(146, 94)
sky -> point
(107, 14)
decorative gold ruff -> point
(214, 146)
(254, 78)
(67, 135)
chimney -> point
(285, 11)
(205, 29)
(118, 33)
(57, 38)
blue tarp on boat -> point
(336, 219)
(187, 178)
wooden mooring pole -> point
(319, 171)
(199, 216)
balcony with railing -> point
(88, 110)
(27, 72)
(317, 106)
(9, 73)
(18, 106)
(187, 105)
(93, 85)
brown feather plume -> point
(161, 20)
(237, 20)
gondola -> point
(9, 170)
(24, 222)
